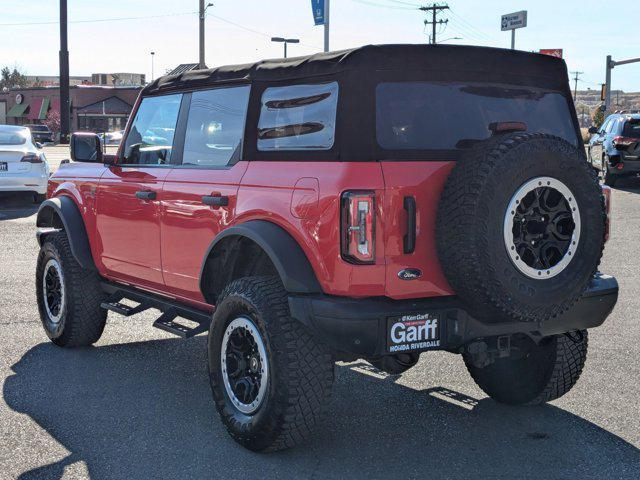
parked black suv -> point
(615, 147)
(41, 133)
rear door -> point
(421, 129)
(199, 195)
(130, 192)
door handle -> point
(146, 195)
(215, 200)
(409, 240)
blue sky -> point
(238, 31)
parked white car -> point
(23, 166)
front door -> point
(130, 192)
(199, 195)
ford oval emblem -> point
(409, 274)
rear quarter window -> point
(447, 116)
(298, 117)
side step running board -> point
(170, 310)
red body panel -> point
(128, 228)
(189, 226)
(424, 181)
(160, 244)
(267, 193)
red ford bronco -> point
(371, 203)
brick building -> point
(93, 108)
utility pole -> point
(153, 54)
(64, 75)
(326, 25)
(611, 64)
(434, 9)
(575, 90)
(203, 11)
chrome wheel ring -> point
(53, 290)
(245, 368)
(542, 227)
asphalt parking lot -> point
(138, 404)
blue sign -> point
(318, 11)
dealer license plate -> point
(408, 333)
(4, 167)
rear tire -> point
(609, 178)
(68, 296)
(276, 378)
(546, 372)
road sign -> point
(554, 52)
(318, 11)
(511, 21)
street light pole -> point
(326, 25)
(64, 75)
(153, 54)
(285, 41)
(202, 12)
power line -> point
(434, 9)
(97, 20)
(469, 25)
(391, 7)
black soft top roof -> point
(473, 61)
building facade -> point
(93, 108)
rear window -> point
(631, 129)
(38, 128)
(12, 138)
(298, 117)
(447, 116)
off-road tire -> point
(82, 319)
(301, 370)
(549, 371)
(470, 221)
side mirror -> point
(593, 130)
(86, 147)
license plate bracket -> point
(414, 332)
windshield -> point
(446, 116)
(12, 138)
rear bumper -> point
(359, 326)
(29, 182)
(630, 165)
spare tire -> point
(520, 227)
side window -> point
(215, 127)
(610, 125)
(298, 117)
(150, 139)
(605, 125)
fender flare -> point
(287, 256)
(72, 223)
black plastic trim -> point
(358, 326)
(287, 256)
(73, 224)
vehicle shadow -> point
(17, 205)
(144, 410)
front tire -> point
(270, 378)
(69, 296)
(539, 374)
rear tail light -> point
(606, 193)
(31, 158)
(358, 227)
(624, 142)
